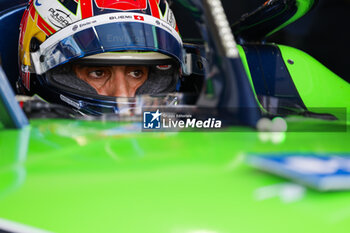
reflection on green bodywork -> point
(303, 6)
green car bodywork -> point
(78, 176)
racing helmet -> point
(56, 35)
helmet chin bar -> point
(124, 106)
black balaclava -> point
(159, 81)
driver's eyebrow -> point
(81, 66)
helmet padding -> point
(159, 81)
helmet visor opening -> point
(101, 80)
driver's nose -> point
(118, 84)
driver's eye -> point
(97, 74)
(136, 74)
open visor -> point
(108, 33)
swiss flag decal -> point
(139, 17)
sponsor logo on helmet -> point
(120, 17)
(164, 25)
(59, 18)
(125, 38)
(85, 24)
(37, 3)
(170, 18)
(75, 27)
